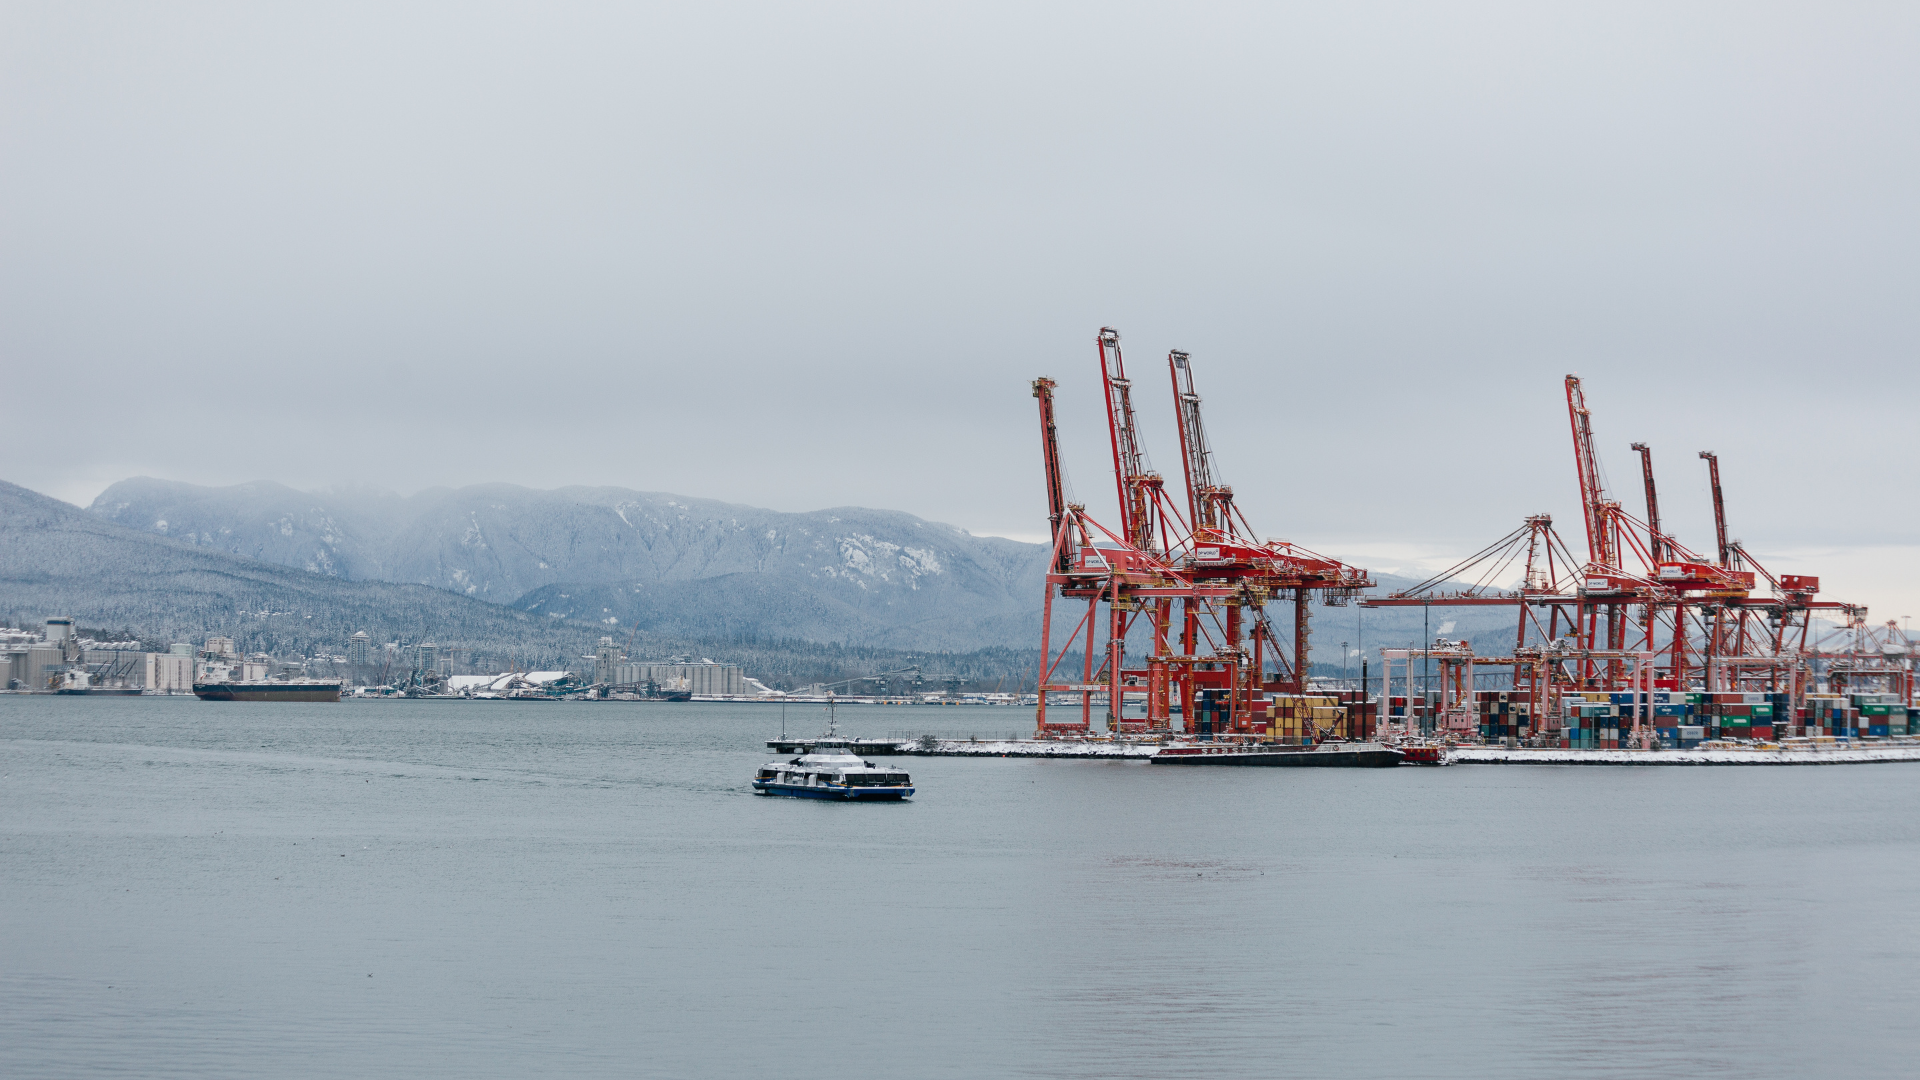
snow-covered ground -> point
(1023, 748)
(1466, 755)
(1493, 755)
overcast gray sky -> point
(811, 255)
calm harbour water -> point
(481, 889)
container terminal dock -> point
(1181, 626)
(1642, 645)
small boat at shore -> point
(1326, 755)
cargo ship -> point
(650, 691)
(269, 690)
(78, 682)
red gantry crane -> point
(1222, 548)
(1093, 563)
(1638, 592)
(1208, 560)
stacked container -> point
(1414, 710)
(1295, 719)
(1505, 715)
(1211, 713)
(1360, 714)
(1736, 714)
(1600, 721)
(1881, 715)
(1592, 721)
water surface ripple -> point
(422, 889)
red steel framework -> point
(1860, 658)
(1207, 560)
(1638, 592)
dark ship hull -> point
(267, 691)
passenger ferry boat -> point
(831, 770)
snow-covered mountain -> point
(695, 568)
(56, 559)
(667, 563)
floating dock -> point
(929, 747)
(877, 747)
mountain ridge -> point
(58, 559)
(676, 566)
(853, 574)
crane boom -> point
(1593, 495)
(1209, 504)
(1656, 540)
(1056, 479)
(1133, 479)
(1719, 507)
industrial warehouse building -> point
(705, 678)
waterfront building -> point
(606, 661)
(170, 672)
(706, 678)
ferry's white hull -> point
(831, 791)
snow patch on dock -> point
(1493, 755)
